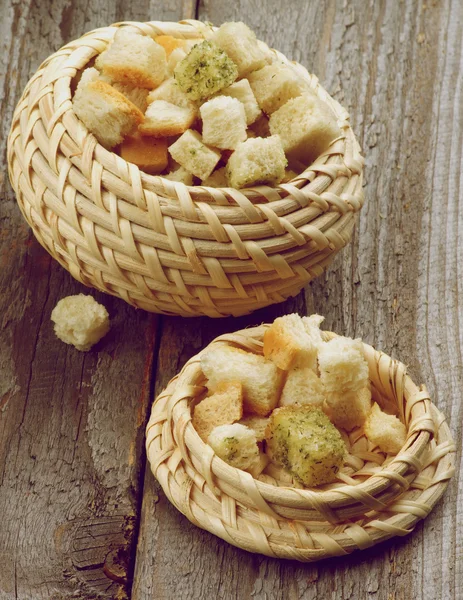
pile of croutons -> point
(292, 406)
(218, 112)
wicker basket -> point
(163, 246)
(375, 499)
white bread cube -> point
(342, 364)
(181, 175)
(302, 386)
(385, 431)
(170, 92)
(347, 409)
(217, 179)
(190, 152)
(136, 95)
(288, 344)
(257, 161)
(257, 424)
(134, 59)
(224, 122)
(223, 407)
(260, 378)
(306, 126)
(241, 90)
(236, 445)
(274, 85)
(240, 43)
(107, 113)
(80, 321)
(175, 57)
(163, 119)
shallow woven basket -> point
(377, 496)
(163, 246)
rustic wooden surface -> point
(81, 516)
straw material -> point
(160, 245)
(376, 497)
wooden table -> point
(81, 516)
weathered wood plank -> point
(394, 66)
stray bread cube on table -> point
(241, 45)
(274, 85)
(302, 440)
(149, 154)
(260, 378)
(217, 179)
(385, 431)
(348, 409)
(181, 175)
(236, 445)
(134, 59)
(343, 365)
(302, 386)
(169, 43)
(80, 321)
(163, 119)
(257, 161)
(288, 345)
(205, 71)
(223, 407)
(190, 152)
(107, 113)
(241, 90)
(306, 126)
(257, 424)
(169, 91)
(224, 122)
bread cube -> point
(348, 409)
(260, 378)
(108, 114)
(257, 161)
(385, 431)
(190, 152)
(302, 386)
(306, 126)
(181, 175)
(205, 71)
(240, 43)
(149, 154)
(224, 122)
(80, 321)
(163, 119)
(223, 407)
(241, 90)
(136, 95)
(134, 59)
(175, 57)
(342, 364)
(288, 345)
(217, 179)
(274, 85)
(257, 424)
(302, 440)
(169, 43)
(236, 445)
(169, 91)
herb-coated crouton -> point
(190, 152)
(236, 445)
(257, 161)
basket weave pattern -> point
(375, 498)
(160, 245)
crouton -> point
(223, 407)
(190, 152)
(105, 112)
(288, 344)
(169, 43)
(175, 57)
(149, 154)
(217, 179)
(236, 445)
(302, 386)
(170, 92)
(240, 43)
(224, 122)
(257, 161)
(342, 365)
(257, 424)
(241, 90)
(181, 175)
(385, 431)
(80, 321)
(134, 59)
(274, 85)
(260, 378)
(205, 71)
(348, 409)
(261, 127)
(163, 119)
(306, 126)
(136, 95)
(302, 440)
